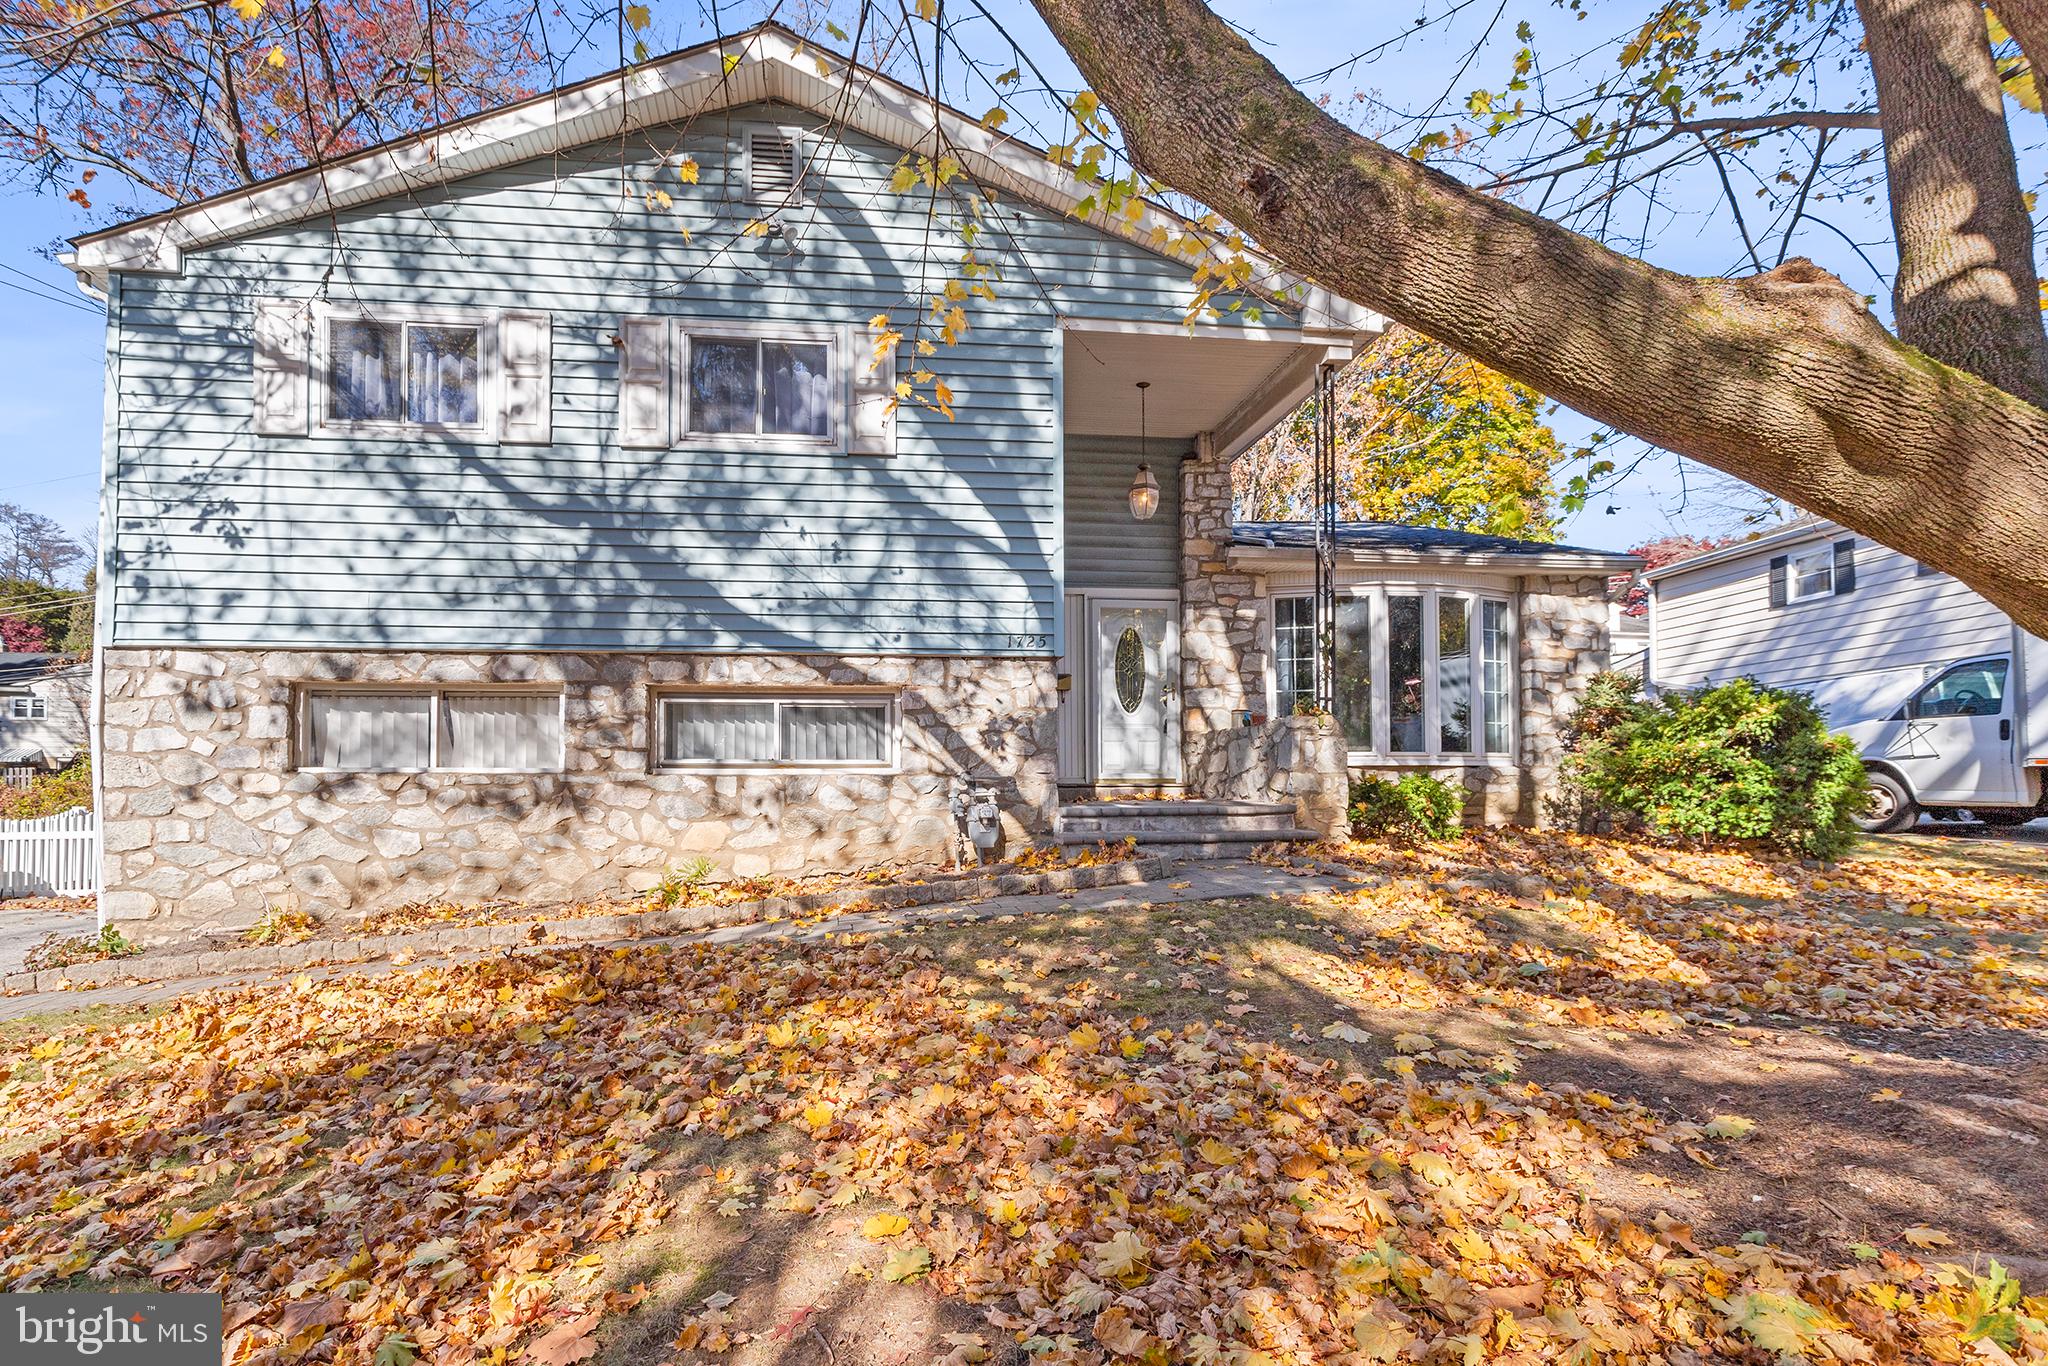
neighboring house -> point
(42, 712)
(478, 524)
(1941, 689)
(1628, 641)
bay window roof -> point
(1398, 542)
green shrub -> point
(49, 794)
(1416, 806)
(1739, 761)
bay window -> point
(1422, 671)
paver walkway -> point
(1188, 882)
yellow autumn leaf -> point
(1216, 1151)
(1085, 1039)
(248, 9)
(817, 1114)
(276, 58)
(882, 1226)
(1921, 1236)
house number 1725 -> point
(1030, 642)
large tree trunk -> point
(1783, 379)
(1966, 291)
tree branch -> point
(1783, 379)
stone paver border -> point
(214, 962)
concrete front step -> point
(1201, 844)
(1182, 829)
(1167, 822)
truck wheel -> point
(2004, 817)
(1891, 807)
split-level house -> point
(518, 509)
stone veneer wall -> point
(1297, 759)
(1222, 636)
(207, 822)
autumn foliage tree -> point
(1424, 436)
(181, 100)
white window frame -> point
(302, 729)
(1381, 754)
(1793, 592)
(890, 762)
(483, 430)
(838, 380)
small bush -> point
(49, 794)
(1416, 806)
(1739, 761)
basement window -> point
(778, 732)
(421, 730)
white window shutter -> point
(279, 366)
(526, 390)
(643, 383)
(871, 428)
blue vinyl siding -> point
(953, 545)
(1105, 546)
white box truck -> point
(1946, 697)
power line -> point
(57, 299)
(38, 483)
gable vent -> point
(771, 168)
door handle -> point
(2005, 728)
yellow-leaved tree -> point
(1425, 436)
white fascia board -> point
(775, 66)
(1568, 562)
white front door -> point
(1954, 742)
(1135, 668)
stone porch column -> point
(1222, 647)
(1564, 642)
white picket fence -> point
(52, 856)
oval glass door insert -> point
(1130, 669)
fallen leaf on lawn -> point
(1729, 1126)
(1113, 1329)
(1920, 1235)
(907, 1264)
(570, 1343)
(1349, 1033)
(1884, 1095)
(1413, 1043)
(882, 1226)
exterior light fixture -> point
(1144, 488)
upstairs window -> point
(1813, 575)
(759, 386)
(402, 375)
(31, 708)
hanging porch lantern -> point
(1144, 488)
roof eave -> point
(777, 66)
(1769, 540)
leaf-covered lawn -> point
(1189, 1133)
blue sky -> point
(50, 354)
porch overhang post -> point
(1323, 497)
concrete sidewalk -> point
(1186, 882)
(21, 931)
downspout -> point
(103, 596)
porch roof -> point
(1398, 543)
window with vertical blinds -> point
(417, 731)
(516, 732)
(780, 732)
